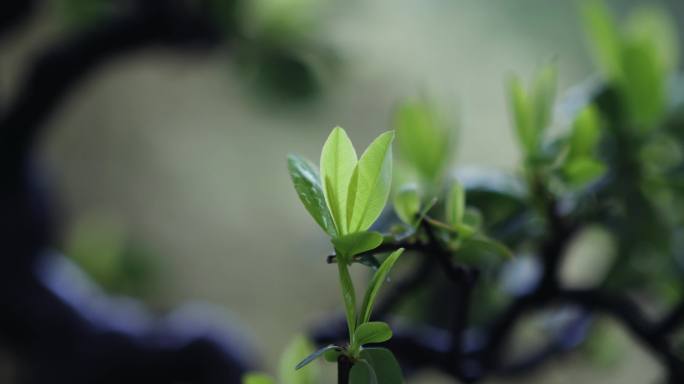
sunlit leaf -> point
(370, 184)
(372, 332)
(350, 245)
(307, 184)
(338, 160)
(375, 284)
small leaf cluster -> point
(345, 200)
(427, 147)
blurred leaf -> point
(482, 244)
(281, 19)
(306, 182)
(473, 218)
(101, 246)
(82, 14)
(372, 332)
(651, 23)
(315, 355)
(605, 344)
(298, 348)
(375, 284)
(455, 204)
(661, 153)
(350, 245)
(338, 162)
(362, 373)
(370, 184)
(331, 355)
(604, 37)
(384, 364)
(257, 378)
(586, 132)
(583, 170)
(521, 108)
(643, 86)
(407, 204)
(543, 94)
(637, 60)
(425, 140)
(532, 110)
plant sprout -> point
(345, 200)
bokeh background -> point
(170, 167)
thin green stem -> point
(349, 297)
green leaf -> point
(407, 204)
(375, 284)
(455, 204)
(315, 355)
(351, 245)
(306, 182)
(643, 86)
(425, 139)
(651, 23)
(384, 365)
(372, 332)
(299, 347)
(483, 244)
(338, 160)
(586, 132)
(370, 184)
(583, 170)
(544, 93)
(257, 378)
(362, 373)
(349, 298)
(521, 110)
(604, 38)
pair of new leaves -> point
(349, 194)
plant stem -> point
(349, 297)
(343, 369)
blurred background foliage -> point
(170, 167)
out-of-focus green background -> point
(181, 154)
